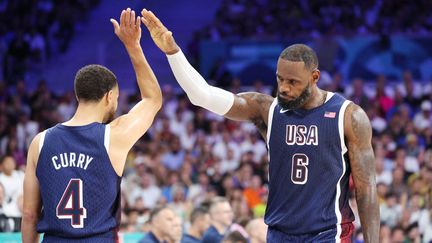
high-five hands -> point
(129, 29)
(161, 36)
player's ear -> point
(315, 75)
(108, 97)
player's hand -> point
(161, 36)
(129, 29)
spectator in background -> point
(6, 223)
(199, 223)
(390, 210)
(175, 234)
(257, 230)
(12, 180)
(147, 190)
(162, 222)
(358, 95)
(423, 119)
(221, 215)
(174, 158)
(397, 235)
(234, 237)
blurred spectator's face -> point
(8, 165)
(385, 232)
(145, 180)
(398, 236)
(398, 175)
(203, 222)
(175, 234)
(382, 189)
(391, 201)
(164, 222)
(256, 181)
(294, 84)
(414, 234)
(203, 179)
(222, 213)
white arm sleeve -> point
(197, 89)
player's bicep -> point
(250, 106)
(359, 140)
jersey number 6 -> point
(71, 204)
(299, 170)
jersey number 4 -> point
(71, 204)
(299, 170)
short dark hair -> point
(215, 201)
(155, 211)
(4, 157)
(198, 212)
(301, 53)
(234, 237)
(93, 81)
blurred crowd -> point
(190, 156)
(278, 19)
(31, 31)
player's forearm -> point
(28, 230)
(368, 207)
(147, 81)
(197, 89)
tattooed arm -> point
(359, 135)
(251, 106)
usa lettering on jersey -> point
(301, 135)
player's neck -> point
(317, 98)
(86, 114)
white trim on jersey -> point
(107, 137)
(41, 140)
(269, 121)
(329, 96)
(343, 151)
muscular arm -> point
(244, 107)
(359, 135)
(32, 201)
(251, 106)
(127, 129)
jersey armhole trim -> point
(270, 121)
(107, 137)
(41, 140)
(329, 96)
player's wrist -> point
(172, 51)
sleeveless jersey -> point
(309, 168)
(79, 187)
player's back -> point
(79, 187)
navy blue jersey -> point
(79, 187)
(309, 168)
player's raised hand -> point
(129, 29)
(161, 36)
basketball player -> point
(74, 169)
(316, 140)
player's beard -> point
(297, 102)
(109, 117)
